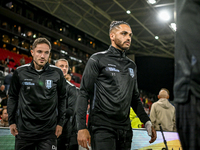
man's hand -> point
(84, 138)
(58, 130)
(13, 129)
(153, 135)
(151, 131)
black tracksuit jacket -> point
(37, 101)
(110, 82)
(72, 94)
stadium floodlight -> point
(173, 26)
(164, 15)
(156, 37)
(152, 1)
(128, 11)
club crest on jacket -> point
(48, 84)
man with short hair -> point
(68, 136)
(110, 82)
(37, 101)
(4, 118)
(163, 112)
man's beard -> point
(41, 65)
(118, 43)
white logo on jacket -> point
(48, 84)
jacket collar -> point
(46, 66)
(117, 51)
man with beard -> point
(37, 101)
(110, 82)
(68, 139)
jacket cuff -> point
(80, 127)
(11, 122)
(61, 122)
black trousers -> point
(105, 138)
(63, 142)
(67, 143)
(188, 123)
(29, 144)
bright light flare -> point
(164, 15)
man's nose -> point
(42, 55)
(128, 38)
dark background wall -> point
(155, 73)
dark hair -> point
(1, 112)
(40, 41)
(115, 24)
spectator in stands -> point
(12, 60)
(22, 61)
(37, 95)
(3, 92)
(146, 109)
(16, 65)
(7, 59)
(4, 118)
(163, 112)
(7, 80)
(68, 136)
(4, 103)
(2, 62)
(110, 82)
(6, 71)
(135, 121)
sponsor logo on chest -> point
(112, 69)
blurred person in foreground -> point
(110, 82)
(37, 101)
(187, 73)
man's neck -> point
(37, 67)
(115, 46)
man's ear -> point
(167, 96)
(32, 52)
(158, 97)
(112, 36)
